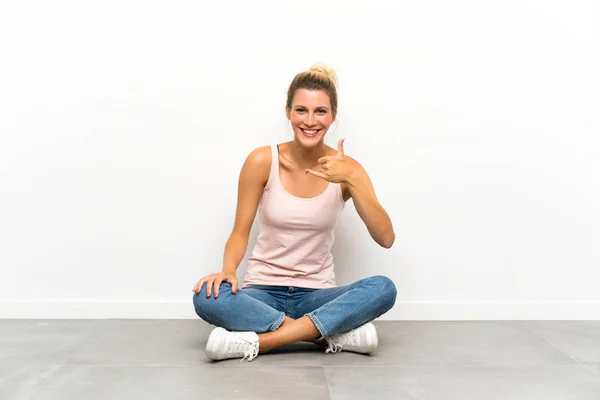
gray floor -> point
(164, 359)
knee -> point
(200, 304)
(204, 306)
(386, 289)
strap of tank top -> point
(274, 172)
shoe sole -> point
(212, 344)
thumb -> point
(341, 146)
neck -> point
(307, 158)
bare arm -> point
(253, 177)
(368, 207)
(342, 168)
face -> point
(310, 116)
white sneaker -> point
(223, 344)
(360, 340)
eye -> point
(322, 111)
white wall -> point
(124, 125)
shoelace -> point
(250, 353)
(336, 342)
(333, 347)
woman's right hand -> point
(214, 280)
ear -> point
(287, 112)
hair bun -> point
(323, 68)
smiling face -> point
(310, 116)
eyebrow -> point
(301, 106)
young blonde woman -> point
(289, 292)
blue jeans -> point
(263, 308)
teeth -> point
(310, 131)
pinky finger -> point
(316, 173)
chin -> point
(310, 144)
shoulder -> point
(258, 163)
(260, 156)
(353, 160)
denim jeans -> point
(263, 308)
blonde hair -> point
(318, 77)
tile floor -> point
(164, 359)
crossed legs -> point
(290, 331)
(323, 312)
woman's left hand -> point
(336, 168)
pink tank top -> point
(293, 247)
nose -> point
(310, 119)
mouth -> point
(310, 132)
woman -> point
(289, 292)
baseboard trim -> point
(402, 311)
